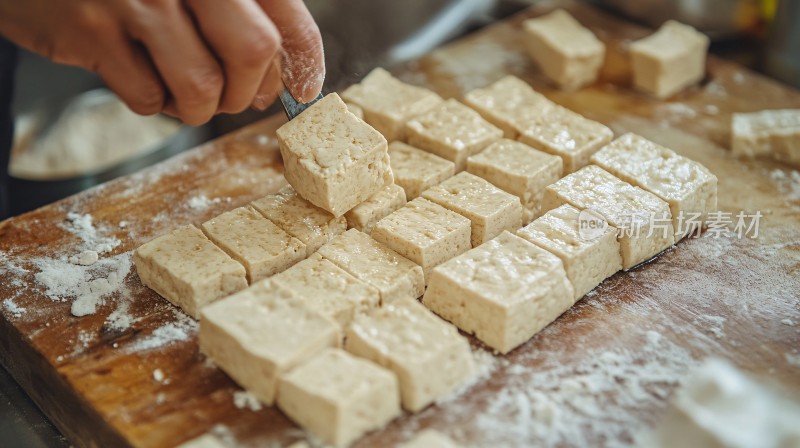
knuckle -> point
(148, 101)
(258, 49)
(203, 86)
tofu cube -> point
(389, 103)
(588, 257)
(452, 131)
(669, 60)
(339, 397)
(333, 159)
(508, 104)
(255, 242)
(416, 170)
(355, 110)
(429, 438)
(258, 334)
(187, 269)
(564, 133)
(643, 219)
(327, 289)
(425, 233)
(489, 209)
(300, 218)
(688, 187)
(503, 292)
(375, 264)
(428, 355)
(365, 215)
(568, 53)
(518, 169)
(774, 133)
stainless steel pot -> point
(718, 18)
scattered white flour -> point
(85, 258)
(158, 375)
(721, 406)
(83, 227)
(120, 318)
(201, 202)
(87, 286)
(713, 324)
(182, 329)
(549, 399)
(717, 89)
(84, 339)
(243, 399)
(8, 265)
(13, 308)
(485, 365)
(478, 64)
(788, 184)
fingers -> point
(187, 67)
(130, 74)
(303, 59)
(270, 87)
(244, 39)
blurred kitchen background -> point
(72, 134)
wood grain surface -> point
(601, 374)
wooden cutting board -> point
(131, 374)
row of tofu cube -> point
(335, 292)
(663, 64)
(571, 56)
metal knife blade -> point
(292, 107)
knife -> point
(292, 107)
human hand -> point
(191, 59)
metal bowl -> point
(718, 18)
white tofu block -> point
(688, 187)
(187, 269)
(355, 110)
(333, 159)
(774, 133)
(518, 169)
(416, 170)
(452, 131)
(508, 104)
(588, 257)
(429, 438)
(567, 52)
(375, 264)
(327, 289)
(389, 103)
(365, 215)
(303, 220)
(425, 233)
(504, 291)
(489, 209)
(564, 133)
(644, 220)
(257, 334)
(255, 242)
(428, 355)
(339, 397)
(669, 60)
